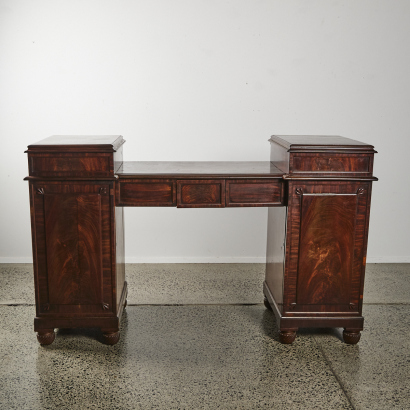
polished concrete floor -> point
(197, 336)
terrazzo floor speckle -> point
(187, 343)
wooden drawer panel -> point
(331, 163)
(208, 193)
(71, 164)
(146, 192)
(254, 192)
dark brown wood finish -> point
(200, 169)
(318, 191)
(199, 184)
(326, 224)
(224, 191)
(75, 156)
(72, 223)
(146, 192)
(320, 156)
(325, 263)
(333, 163)
(254, 192)
(77, 235)
(324, 249)
(201, 193)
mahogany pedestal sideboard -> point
(317, 188)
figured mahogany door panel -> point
(201, 193)
(61, 243)
(73, 248)
(326, 249)
(146, 192)
(90, 248)
(254, 192)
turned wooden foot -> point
(46, 336)
(266, 303)
(351, 337)
(287, 336)
(111, 338)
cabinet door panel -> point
(73, 248)
(326, 249)
(90, 248)
(61, 237)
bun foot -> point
(111, 338)
(351, 337)
(287, 337)
(46, 337)
(266, 303)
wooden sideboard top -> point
(101, 156)
(69, 143)
(130, 169)
(321, 142)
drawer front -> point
(146, 192)
(331, 163)
(71, 165)
(208, 193)
(254, 192)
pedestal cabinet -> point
(316, 252)
(77, 235)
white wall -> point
(206, 80)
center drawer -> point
(201, 193)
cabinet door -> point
(327, 235)
(72, 247)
